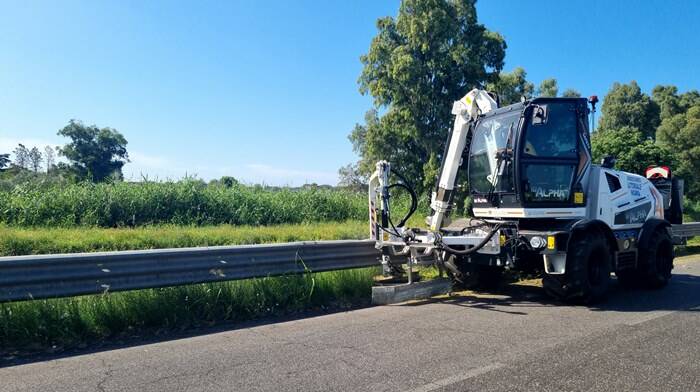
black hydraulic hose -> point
(413, 204)
(414, 198)
(480, 245)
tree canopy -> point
(626, 105)
(430, 55)
(95, 154)
(571, 93)
(680, 133)
(633, 151)
(661, 129)
(671, 103)
(548, 88)
(511, 87)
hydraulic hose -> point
(462, 252)
(414, 198)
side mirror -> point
(539, 115)
(608, 162)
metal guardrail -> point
(686, 230)
(62, 275)
(45, 276)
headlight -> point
(537, 242)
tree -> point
(671, 103)
(548, 88)
(420, 62)
(571, 93)
(512, 87)
(50, 157)
(626, 106)
(35, 159)
(94, 153)
(634, 152)
(4, 161)
(681, 133)
(21, 157)
(351, 177)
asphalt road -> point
(636, 341)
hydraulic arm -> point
(466, 110)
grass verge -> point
(24, 241)
(64, 323)
(56, 324)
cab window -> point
(552, 132)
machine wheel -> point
(588, 266)
(477, 276)
(656, 262)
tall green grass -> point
(186, 202)
(58, 324)
(70, 322)
(16, 241)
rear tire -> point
(656, 262)
(588, 267)
(654, 265)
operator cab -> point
(530, 155)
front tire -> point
(588, 267)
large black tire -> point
(588, 267)
(654, 265)
(477, 276)
(656, 260)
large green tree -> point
(671, 103)
(627, 130)
(95, 154)
(512, 87)
(680, 133)
(633, 151)
(430, 55)
(571, 93)
(548, 88)
(626, 105)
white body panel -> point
(622, 200)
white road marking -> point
(648, 317)
(435, 385)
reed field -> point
(17, 241)
(186, 202)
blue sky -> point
(268, 93)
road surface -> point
(638, 340)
